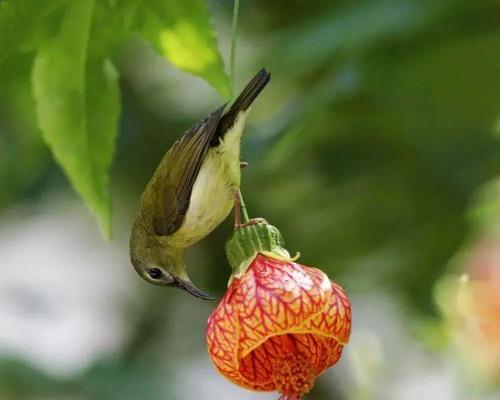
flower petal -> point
(279, 327)
(222, 337)
(335, 321)
(275, 297)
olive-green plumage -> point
(191, 192)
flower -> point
(279, 325)
(471, 307)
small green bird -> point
(191, 192)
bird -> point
(193, 189)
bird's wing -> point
(175, 183)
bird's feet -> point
(240, 213)
(238, 201)
(254, 221)
(237, 209)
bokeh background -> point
(375, 150)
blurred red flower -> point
(278, 327)
(471, 306)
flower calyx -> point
(248, 240)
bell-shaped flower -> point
(280, 324)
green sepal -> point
(249, 240)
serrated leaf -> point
(182, 32)
(77, 104)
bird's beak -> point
(187, 285)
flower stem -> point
(243, 209)
(234, 36)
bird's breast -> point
(212, 194)
(211, 199)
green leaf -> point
(77, 104)
(182, 32)
(111, 27)
(24, 157)
(22, 22)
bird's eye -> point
(155, 273)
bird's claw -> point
(252, 221)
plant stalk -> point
(234, 37)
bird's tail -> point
(251, 91)
(243, 101)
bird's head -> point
(163, 266)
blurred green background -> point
(375, 150)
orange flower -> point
(471, 306)
(279, 326)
